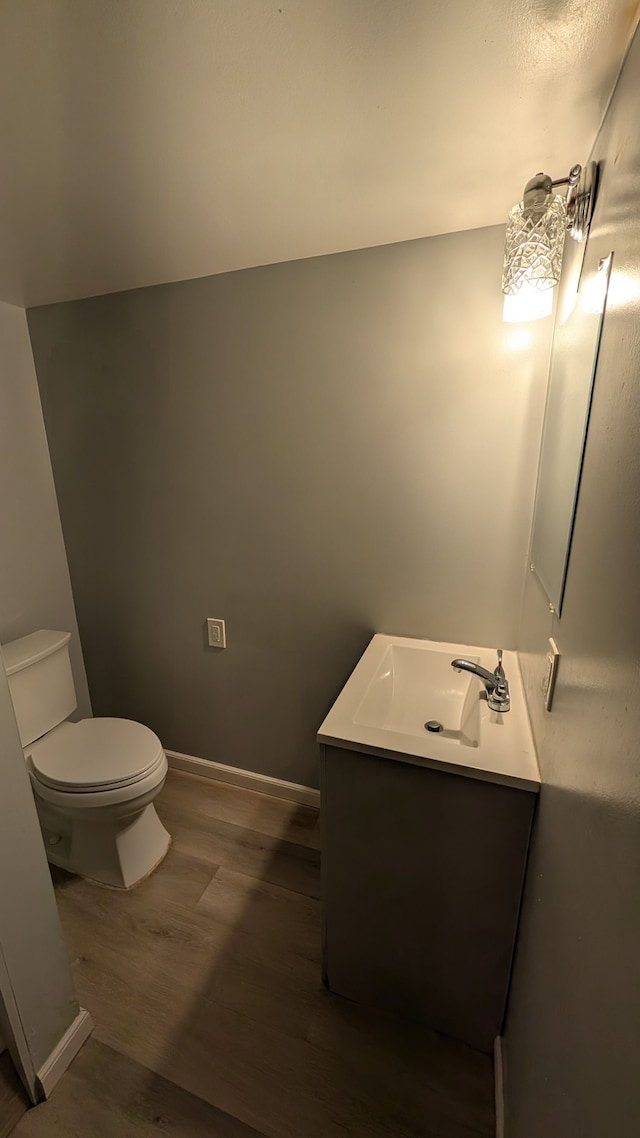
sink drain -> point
(434, 726)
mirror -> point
(574, 358)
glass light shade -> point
(533, 247)
(528, 303)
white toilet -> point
(94, 781)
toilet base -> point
(114, 851)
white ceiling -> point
(144, 141)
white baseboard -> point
(64, 1052)
(498, 1077)
(262, 783)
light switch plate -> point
(550, 673)
(216, 633)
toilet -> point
(94, 781)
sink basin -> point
(412, 686)
(401, 684)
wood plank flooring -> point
(211, 1017)
(13, 1099)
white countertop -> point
(504, 753)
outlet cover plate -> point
(550, 673)
(216, 632)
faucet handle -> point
(499, 672)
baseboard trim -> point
(251, 780)
(64, 1052)
(498, 1077)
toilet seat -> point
(95, 755)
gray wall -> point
(35, 976)
(573, 1029)
(313, 451)
(35, 590)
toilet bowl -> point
(93, 781)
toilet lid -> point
(96, 753)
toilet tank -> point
(40, 681)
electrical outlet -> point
(216, 633)
(550, 673)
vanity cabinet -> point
(422, 875)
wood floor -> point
(13, 1099)
(204, 983)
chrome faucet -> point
(495, 682)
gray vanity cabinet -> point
(422, 874)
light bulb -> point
(528, 303)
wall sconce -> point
(535, 239)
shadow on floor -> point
(211, 1017)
